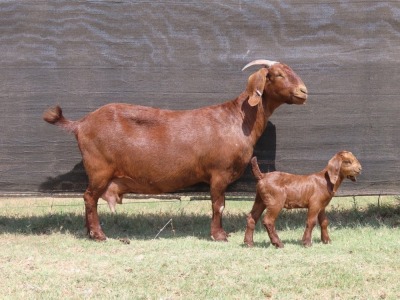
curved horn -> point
(264, 62)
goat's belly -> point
(293, 201)
(290, 205)
(123, 185)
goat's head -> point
(345, 165)
(276, 80)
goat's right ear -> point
(255, 86)
(334, 165)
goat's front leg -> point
(217, 190)
(92, 218)
(311, 222)
(323, 223)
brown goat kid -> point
(129, 148)
(277, 190)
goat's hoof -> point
(220, 236)
(328, 241)
(278, 244)
(249, 244)
(97, 236)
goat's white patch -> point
(221, 209)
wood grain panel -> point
(169, 54)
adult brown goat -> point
(129, 148)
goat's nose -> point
(303, 89)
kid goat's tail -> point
(255, 168)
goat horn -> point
(264, 62)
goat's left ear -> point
(255, 86)
(334, 167)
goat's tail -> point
(256, 169)
(54, 116)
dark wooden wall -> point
(186, 54)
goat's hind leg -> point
(95, 190)
(92, 218)
(252, 218)
(269, 224)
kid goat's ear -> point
(334, 165)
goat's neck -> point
(270, 105)
(337, 184)
(254, 119)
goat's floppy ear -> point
(255, 86)
(333, 168)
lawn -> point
(45, 253)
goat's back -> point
(295, 189)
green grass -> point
(45, 254)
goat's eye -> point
(347, 162)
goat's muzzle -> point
(353, 177)
(300, 95)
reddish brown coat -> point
(131, 148)
(278, 190)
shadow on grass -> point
(266, 243)
(147, 225)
